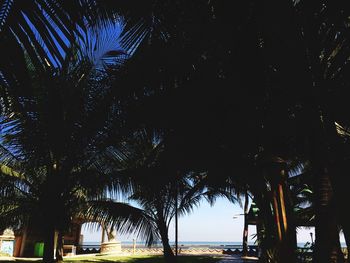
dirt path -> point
(237, 259)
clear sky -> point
(221, 222)
(205, 223)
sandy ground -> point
(225, 258)
(238, 259)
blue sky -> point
(208, 223)
(205, 223)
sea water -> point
(187, 244)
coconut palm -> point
(210, 129)
(325, 38)
(58, 130)
(22, 204)
(160, 200)
(286, 115)
(39, 31)
(159, 190)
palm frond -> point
(125, 218)
(6, 170)
(7, 157)
(5, 9)
(133, 37)
(102, 45)
(342, 131)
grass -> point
(135, 259)
(2, 254)
(141, 259)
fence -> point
(304, 255)
(228, 249)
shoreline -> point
(218, 244)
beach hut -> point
(7, 241)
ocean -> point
(172, 243)
(187, 244)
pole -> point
(133, 246)
(245, 229)
(103, 234)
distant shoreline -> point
(180, 242)
(189, 243)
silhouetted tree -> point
(57, 131)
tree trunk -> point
(168, 252)
(265, 230)
(283, 229)
(327, 245)
(286, 243)
(341, 194)
(59, 247)
(176, 221)
(23, 243)
(324, 142)
(49, 247)
(245, 229)
(342, 197)
(103, 234)
(51, 203)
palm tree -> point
(39, 31)
(325, 40)
(158, 200)
(21, 204)
(45, 29)
(315, 90)
(291, 112)
(183, 90)
(159, 189)
(58, 131)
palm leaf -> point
(126, 218)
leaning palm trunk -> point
(340, 200)
(340, 167)
(283, 244)
(284, 220)
(327, 245)
(323, 160)
(341, 196)
(265, 227)
(168, 252)
(59, 247)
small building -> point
(29, 241)
(7, 242)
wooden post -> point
(133, 246)
(23, 242)
(245, 229)
(103, 235)
(78, 234)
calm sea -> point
(181, 243)
(187, 243)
